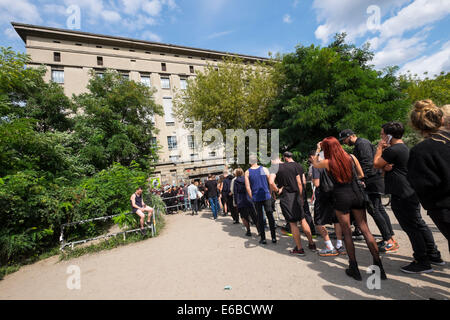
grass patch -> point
(8, 269)
(110, 243)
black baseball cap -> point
(345, 134)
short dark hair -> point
(139, 188)
(287, 154)
(312, 153)
(395, 129)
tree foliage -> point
(64, 160)
(322, 90)
(233, 95)
(436, 89)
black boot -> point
(380, 265)
(353, 271)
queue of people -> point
(345, 187)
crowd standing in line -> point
(345, 187)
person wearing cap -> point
(364, 151)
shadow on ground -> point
(332, 269)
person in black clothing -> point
(345, 171)
(226, 188)
(243, 202)
(404, 201)
(428, 165)
(211, 194)
(364, 151)
(285, 181)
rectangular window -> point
(165, 82)
(99, 74)
(191, 69)
(212, 154)
(163, 66)
(57, 56)
(172, 142)
(191, 143)
(168, 113)
(153, 142)
(145, 79)
(99, 61)
(183, 84)
(58, 76)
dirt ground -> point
(196, 257)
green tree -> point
(437, 89)
(114, 124)
(322, 90)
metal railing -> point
(64, 244)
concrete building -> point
(70, 56)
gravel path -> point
(196, 257)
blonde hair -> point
(446, 110)
(426, 117)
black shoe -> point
(143, 232)
(356, 235)
(416, 267)
(235, 222)
(437, 261)
(353, 271)
(262, 241)
(380, 265)
(248, 233)
(274, 240)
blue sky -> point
(413, 34)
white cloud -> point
(295, 4)
(111, 16)
(287, 18)
(11, 34)
(347, 16)
(148, 35)
(19, 11)
(152, 7)
(433, 64)
(398, 51)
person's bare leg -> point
(344, 221)
(150, 213)
(296, 234)
(324, 233)
(307, 231)
(142, 218)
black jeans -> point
(194, 205)
(441, 219)
(260, 218)
(231, 208)
(407, 212)
(380, 217)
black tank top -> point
(138, 200)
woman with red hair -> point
(344, 170)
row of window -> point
(132, 50)
(57, 58)
(58, 77)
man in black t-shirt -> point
(364, 152)
(309, 219)
(211, 193)
(392, 155)
(285, 181)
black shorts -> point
(291, 206)
(247, 213)
(323, 209)
(346, 199)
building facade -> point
(70, 56)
